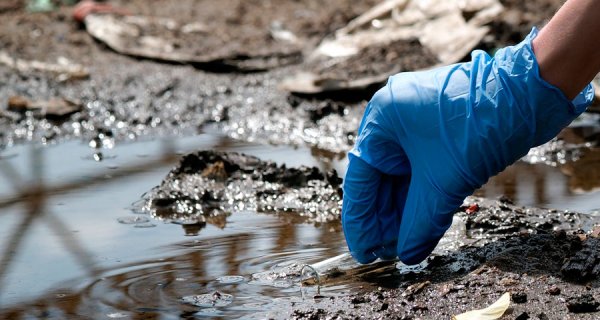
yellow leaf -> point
(494, 311)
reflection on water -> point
(571, 185)
(71, 246)
(66, 221)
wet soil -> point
(131, 98)
(398, 56)
(516, 21)
(208, 186)
(551, 269)
(547, 259)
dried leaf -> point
(494, 311)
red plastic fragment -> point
(472, 208)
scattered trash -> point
(494, 311)
(441, 30)
(55, 108)
(472, 208)
(65, 69)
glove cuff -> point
(550, 108)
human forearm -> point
(568, 48)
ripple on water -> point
(207, 278)
(209, 300)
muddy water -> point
(73, 248)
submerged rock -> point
(209, 184)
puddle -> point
(73, 245)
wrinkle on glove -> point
(428, 139)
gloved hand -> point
(429, 139)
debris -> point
(472, 208)
(494, 311)
(585, 263)
(441, 31)
(519, 297)
(583, 303)
(415, 288)
(165, 39)
(53, 108)
(87, 7)
(64, 68)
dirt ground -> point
(551, 268)
(541, 257)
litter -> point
(441, 29)
(494, 311)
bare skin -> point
(568, 48)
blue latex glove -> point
(429, 139)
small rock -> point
(522, 316)
(519, 297)
(415, 288)
(582, 303)
(553, 291)
(508, 282)
(384, 307)
(419, 306)
(358, 300)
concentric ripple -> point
(241, 275)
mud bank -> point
(544, 258)
(208, 186)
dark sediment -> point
(550, 271)
(207, 184)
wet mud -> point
(547, 259)
(376, 61)
(516, 21)
(208, 186)
(550, 269)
